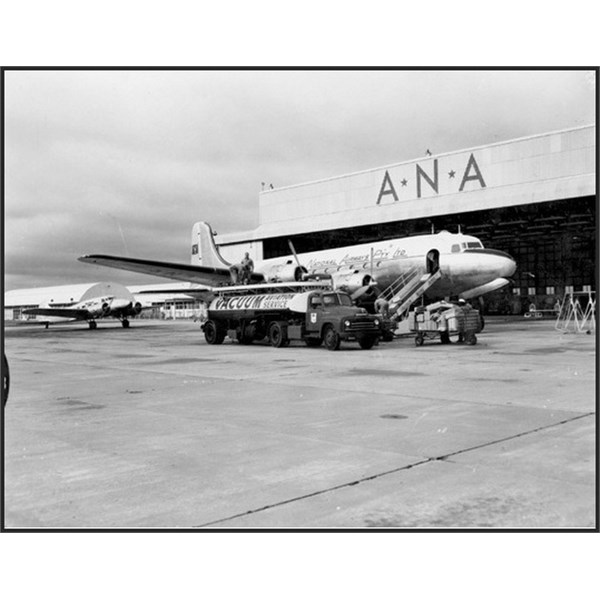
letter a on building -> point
(387, 187)
(466, 177)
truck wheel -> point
(313, 342)
(331, 338)
(367, 342)
(419, 340)
(212, 334)
(277, 335)
(471, 339)
(244, 335)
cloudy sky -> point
(124, 162)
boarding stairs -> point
(408, 288)
(577, 313)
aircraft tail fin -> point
(204, 250)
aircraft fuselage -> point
(463, 261)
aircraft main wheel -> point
(367, 342)
(212, 334)
(93, 324)
(332, 339)
(277, 335)
(125, 323)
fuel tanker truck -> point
(315, 317)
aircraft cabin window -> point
(455, 248)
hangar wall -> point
(541, 168)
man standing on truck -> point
(241, 272)
(247, 269)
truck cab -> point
(331, 317)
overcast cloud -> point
(124, 162)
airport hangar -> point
(532, 197)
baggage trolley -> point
(443, 320)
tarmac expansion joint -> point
(443, 458)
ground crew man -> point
(462, 320)
(443, 328)
(466, 329)
(382, 306)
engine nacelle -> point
(98, 309)
(351, 281)
(288, 271)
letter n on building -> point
(433, 183)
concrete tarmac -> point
(150, 427)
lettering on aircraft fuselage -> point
(356, 259)
(472, 172)
(94, 303)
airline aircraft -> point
(100, 301)
(455, 265)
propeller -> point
(363, 289)
(370, 286)
(294, 253)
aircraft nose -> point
(120, 304)
(500, 262)
(507, 265)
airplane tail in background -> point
(204, 250)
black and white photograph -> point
(300, 299)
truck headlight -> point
(376, 321)
(347, 323)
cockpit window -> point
(455, 248)
(474, 245)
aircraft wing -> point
(209, 276)
(197, 291)
(68, 313)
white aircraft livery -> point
(100, 301)
(455, 264)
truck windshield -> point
(336, 299)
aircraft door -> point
(433, 261)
